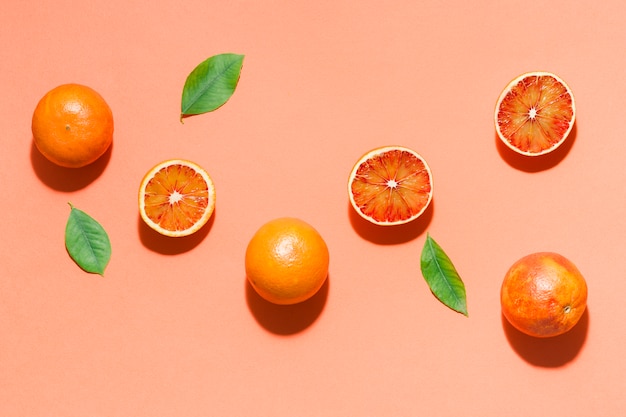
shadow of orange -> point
(536, 163)
(67, 179)
(391, 235)
(286, 320)
(166, 245)
(550, 352)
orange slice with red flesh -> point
(535, 113)
(176, 198)
(390, 185)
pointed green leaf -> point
(211, 84)
(87, 242)
(442, 278)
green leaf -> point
(211, 84)
(442, 278)
(87, 242)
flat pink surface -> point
(173, 329)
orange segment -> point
(176, 198)
(390, 185)
(535, 113)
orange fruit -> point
(390, 185)
(176, 198)
(535, 113)
(543, 295)
(72, 125)
(287, 261)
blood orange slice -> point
(535, 113)
(176, 198)
(390, 185)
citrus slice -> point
(535, 113)
(390, 185)
(176, 198)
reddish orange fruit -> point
(390, 185)
(535, 113)
(176, 198)
(287, 261)
(543, 295)
(72, 125)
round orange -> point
(176, 198)
(390, 185)
(287, 261)
(72, 125)
(535, 113)
(543, 295)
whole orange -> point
(287, 261)
(543, 294)
(72, 125)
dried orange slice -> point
(390, 185)
(535, 113)
(176, 198)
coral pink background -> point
(172, 329)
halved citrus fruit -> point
(390, 185)
(535, 113)
(176, 198)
